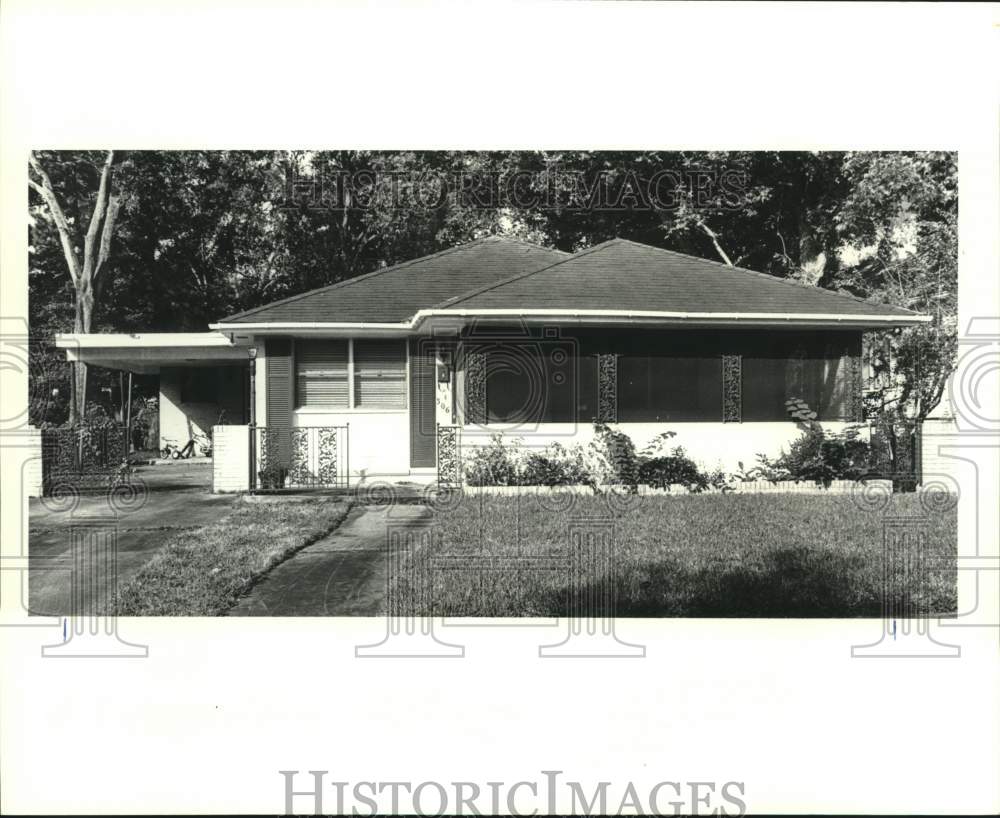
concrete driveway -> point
(177, 497)
(344, 574)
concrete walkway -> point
(344, 574)
(176, 498)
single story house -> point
(387, 371)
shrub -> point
(146, 423)
(719, 480)
(610, 458)
(273, 477)
(494, 465)
(555, 466)
(618, 451)
(821, 456)
(675, 468)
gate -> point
(310, 457)
(82, 457)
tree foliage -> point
(203, 234)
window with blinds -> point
(321, 373)
(379, 374)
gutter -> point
(590, 316)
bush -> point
(610, 458)
(555, 466)
(673, 469)
(821, 456)
(145, 424)
(494, 465)
(506, 464)
(273, 477)
(618, 452)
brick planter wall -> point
(230, 459)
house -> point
(384, 375)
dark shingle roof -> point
(395, 293)
(500, 273)
(623, 275)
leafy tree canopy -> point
(202, 234)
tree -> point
(202, 234)
(899, 228)
(85, 263)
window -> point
(663, 376)
(321, 373)
(820, 380)
(532, 381)
(659, 387)
(380, 374)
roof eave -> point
(617, 317)
(711, 319)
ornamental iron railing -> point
(308, 457)
(82, 457)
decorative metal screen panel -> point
(449, 456)
(313, 457)
(732, 389)
(607, 387)
(475, 387)
(855, 387)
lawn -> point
(738, 555)
(203, 571)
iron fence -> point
(82, 456)
(310, 457)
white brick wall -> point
(230, 458)
(938, 433)
(32, 466)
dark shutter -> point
(279, 369)
(423, 426)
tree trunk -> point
(82, 321)
(85, 271)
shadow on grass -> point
(785, 583)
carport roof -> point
(146, 352)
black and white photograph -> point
(271, 361)
(520, 408)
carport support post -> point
(128, 419)
(252, 353)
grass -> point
(203, 571)
(696, 556)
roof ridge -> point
(730, 267)
(811, 287)
(355, 279)
(456, 299)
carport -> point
(203, 376)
